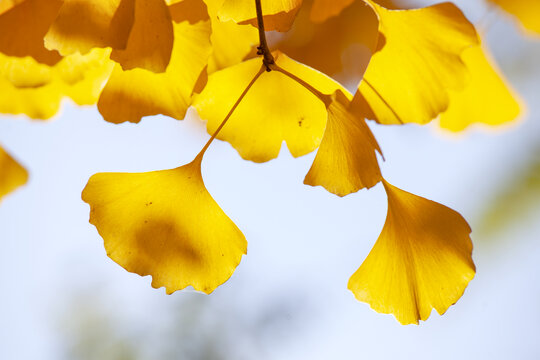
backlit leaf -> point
(417, 62)
(346, 161)
(225, 52)
(165, 224)
(421, 261)
(526, 11)
(278, 15)
(322, 10)
(6, 5)
(151, 38)
(36, 90)
(133, 94)
(486, 99)
(276, 108)
(348, 41)
(22, 29)
(84, 24)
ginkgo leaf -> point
(278, 15)
(6, 5)
(12, 174)
(165, 224)
(130, 95)
(151, 38)
(22, 29)
(36, 90)
(84, 24)
(486, 99)
(346, 161)
(225, 52)
(24, 72)
(417, 62)
(276, 108)
(322, 10)
(422, 259)
(348, 41)
(40, 102)
(526, 11)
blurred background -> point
(63, 298)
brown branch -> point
(262, 49)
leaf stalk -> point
(203, 150)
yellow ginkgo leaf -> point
(130, 95)
(84, 24)
(12, 175)
(422, 259)
(36, 90)
(346, 161)
(18, 94)
(417, 62)
(22, 29)
(83, 76)
(24, 72)
(165, 224)
(151, 38)
(322, 10)
(6, 5)
(276, 108)
(486, 99)
(277, 15)
(348, 41)
(225, 52)
(526, 11)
